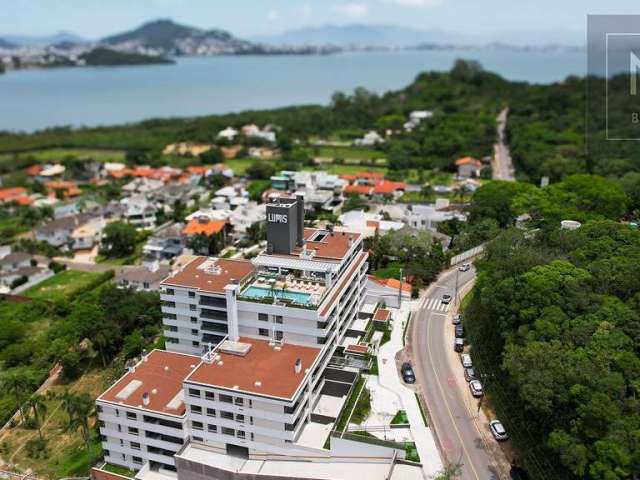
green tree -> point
(79, 409)
(119, 240)
(38, 406)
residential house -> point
(186, 149)
(388, 291)
(139, 212)
(19, 271)
(255, 132)
(58, 232)
(228, 133)
(17, 195)
(427, 217)
(86, 236)
(365, 223)
(66, 209)
(142, 278)
(62, 189)
(370, 139)
(469, 167)
(142, 186)
(246, 215)
(207, 227)
(230, 197)
(165, 244)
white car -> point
(457, 319)
(465, 267)
(476, 388)
(498, 431)
(465, 358)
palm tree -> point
(17, 383)
(39, 407)
(79, 408)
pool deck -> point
(303, 291)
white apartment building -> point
(254, 341)
(142, 417)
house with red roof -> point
(18, 195)
(469, 167)
(387, 291)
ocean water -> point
(32, 100)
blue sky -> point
(97, 18)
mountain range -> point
(31, 41)
(397, 36)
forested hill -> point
(555, 326)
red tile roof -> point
(272, 368)
(387, 187)
(359, 189)
(391, 283)
(12, 194)
(160, 376)
(204, 226)
(381, 315)
(467, 160)
(358, 349)
(190, 276)
(34, 170)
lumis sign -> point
(277, 218)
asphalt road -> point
(437, 377)
(502, 163)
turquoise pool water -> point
(259, 292)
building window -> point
(194, 320)
(212, 428)
(197, 425)
(170, 316)
(172, 340)
(278, 318)
(99, 409)
(107, 453)
(209, 395)
(263, 332)
(239, 401)
(170, 291)
(211, 412)
(263, 317)
(135, 445)
(133, 431)
(194, 392)
(137, 460)
(172, 328)
(225, 398)
(132, 416)
(240, 418)
(228, 431)
(194, 331)
(192, 294)
(196, 409)
(192, 308)
(279, 334)
(195, 343)
(241, 434)
(145, 284)
(197, 439)
(226, 415)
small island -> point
(101, 56)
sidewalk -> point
(389, 378)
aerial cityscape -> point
(392, 240)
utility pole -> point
(400, 290)
(457, 273)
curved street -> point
(440, 380)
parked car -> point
(407, 373)
(459, 331)
(458, 345)
(476, 388)
(465, 267)
(457, 319)
(465, 358)
(446, 298)
(469, 374)
(498, 430)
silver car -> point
(476, 388)
(465, 358)
(498, 431)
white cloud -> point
(273, 15)
(415, 3)
(304, 11)
(353, 10)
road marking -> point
(455, 426)
(436, 304)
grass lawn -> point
(117, 469)
(62, 285)
(348, 169)
(390, 271)
(357, 153)
(400, 418)
(54, 154)
(240, 165)
(10, 227)
(66, 454)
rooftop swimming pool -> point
(259, 292)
